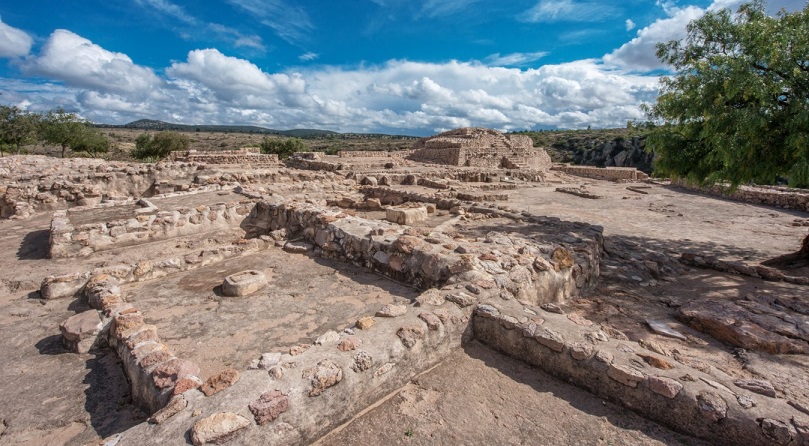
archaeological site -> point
(465, 291)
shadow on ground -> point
(34, 245)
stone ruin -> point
(479, 147)
(473, 267)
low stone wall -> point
(604, 173)
(785, 198)
(154, 373)
(306, 164)
(88, 185)
(67, 240)
(250, 156)
(362, 153)
(604, 362)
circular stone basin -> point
(243, 283)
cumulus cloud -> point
(14, 42)
(630, 25)
(639, 53)
(398, 96)
(549, 11)
(79, 62)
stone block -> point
(407, 216)
(54, 287)
(80, 332)
(243, 283)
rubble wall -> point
(605, 362)
(67, 240)
(785, 198)
(605, 173)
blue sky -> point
(396, 66)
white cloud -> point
(514, 59)
(170, 9)
(440, 8)
(399, 96)
(308, 56)
(14, 42)
(235, 80)
(630, 25)
(639, 53)
(291, 23)
(549, 11)
(79, 62)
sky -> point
(413, 67)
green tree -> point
(90, 140)
(282, 147)
(17, 126)
(61, 128)
(159, 145)
(737, 109)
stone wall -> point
(699, 402)
(604, 173)
(68, 240)
(785, 198)
(248, 156)
(83, 184)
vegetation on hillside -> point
(284, 148)
(737, 109)
(19, 128)
(152, 147)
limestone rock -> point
(268, 360)
(219, 382)
(364, 323)
(552, 308)
(625, 375)
(79, 332)
(298, 247)
(778, 431)
(667, 387)
(487, 311)
(656, 362)
(362, 362)
(392, 310)
(269, 406)
(759, 386)
(324, 375)
(218, 428)
(462, 299)
(166, 374)
(329, 337)
(581, 351)
(349, 343)
(410, 334)
(244, 283)
(732, 323)
(712, 406)
(432, 321)
(186, 383)
(550, 338)
(174, 406)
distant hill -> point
(151, 124)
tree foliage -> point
(63, 129)
(282, 147)
(17, 127)
(91, 141)
(737, 109)
(159, 145)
